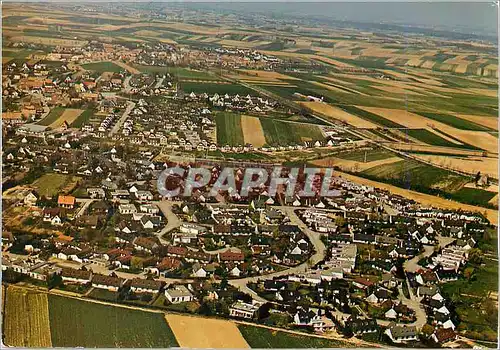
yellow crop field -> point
(352, 165)
(252, 131)
(479, 139)
(198, 332)
(490, 122)
(332, 112)
(397, 90)
(26, 322)
(471, 165)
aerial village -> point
(365, 261)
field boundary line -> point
(356, 342)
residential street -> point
(119, 122)
(412, 264)
(173, 220)
(86, 202)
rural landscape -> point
(397, 116)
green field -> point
(474, 296)
(229, 129)
(103, 294)
(371, 117)
(454, 121)
(475, 196)
(83, 118)
(53, 115)
(420, 177)
(17, 54)
(417, 176)
(102, 67)
(369, 155)
(212, 88)
(430, 138)
(50, 185)
(282, 133)
(263, 338)
(80, 323)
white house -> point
(244, 310)
(391, 314)
(178, 294)
(125, 209)
(30, 199)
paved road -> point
(319, 254)
(173, 220)
(119, 123)
(159, 83)
(412, 264)
(126, 84)
(86, 202)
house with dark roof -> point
(76, 276)
(229, 256)
(443, 335)
(401, 334)
(363, 238)
(314, 318)
(145, 244)
(358, 326)
(107, 282)
(139, 285)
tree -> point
(339, 221)
(427, 330)
(469, 273)
(54, 281)
(146, 297)
(136, 263)
(475, 256)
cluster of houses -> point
(171, 125)
(147, 84)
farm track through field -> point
(68, 115)
(129, 68)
